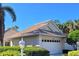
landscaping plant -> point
(10, 53)
(73, 53)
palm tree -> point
(63, 27)
(76, 23)
(2, 25)
(68, 26)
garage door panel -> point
(53, 47)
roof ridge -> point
(42, 22)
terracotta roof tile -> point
(32, 28)
(35, 27)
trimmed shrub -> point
(10, 53)
(35, 51)
(5, 48)
(28, 51)
(73, 53)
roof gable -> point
(53, 27)
(48, 27)
(9, 33)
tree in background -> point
(69, 26)
(65, 27)
(76, 22)
(2, 25)
(73, 37)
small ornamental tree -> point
(73, 37)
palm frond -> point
(11, 11)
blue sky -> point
(30, 14)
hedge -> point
(28, 51)
(73, 53)
(5, 48)
(36, 51)
(10, 53)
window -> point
(56, 40)
(50, 40)
(59, 40)
(42, 40)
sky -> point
(29, 14)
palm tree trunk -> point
(1, 26)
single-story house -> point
(45, 34)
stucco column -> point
(40, 39)
(63, 43)
(0, 43)
(11, 43)
(3, 43)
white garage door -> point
(54, 46)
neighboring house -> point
(45, 34)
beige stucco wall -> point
(35, 40)
(29, 40)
